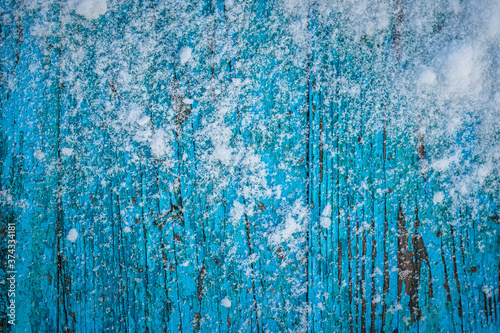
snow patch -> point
(427, 77)
(127, 230)
(483, 172)
(143, 121)
(90, 9)
(185, 55)
(278, 192)
(132, 115)
(444, 164)
(226, 302)
(223, 153)
(67, 151)
(438, 197)
(44, 29)
(237, 211)
(72, 235)
(325, 219)
(464, 70)
(295, 222)
(39, 155)
(160, 144)
(488, 291)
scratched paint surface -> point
(251, 166)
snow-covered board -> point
(250, 166)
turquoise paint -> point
(295, 107)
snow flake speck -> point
(72, 235)
(225, 302)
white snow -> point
(223, 153)
(43, 29)
(325, 219)
(143, 121)
(187, 101)
(444, 163)
(438, 197)
(39, 155)
(278, 192)
(488, 291)
(484, 171)
(127, 230)
(72, 235)
(67, 151)
(225, 302)
(237, 82)
(237, 211)
(427, 77)
(160, 144)
(185, 264)
(291, 227)
(295, 222)
(185, 55)
(133, 114)
(465, 69)
(90, 9)
(493, 23)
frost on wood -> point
(251, 166)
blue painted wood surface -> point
(251, 166)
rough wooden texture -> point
(295, 158)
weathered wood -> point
(257, 166)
